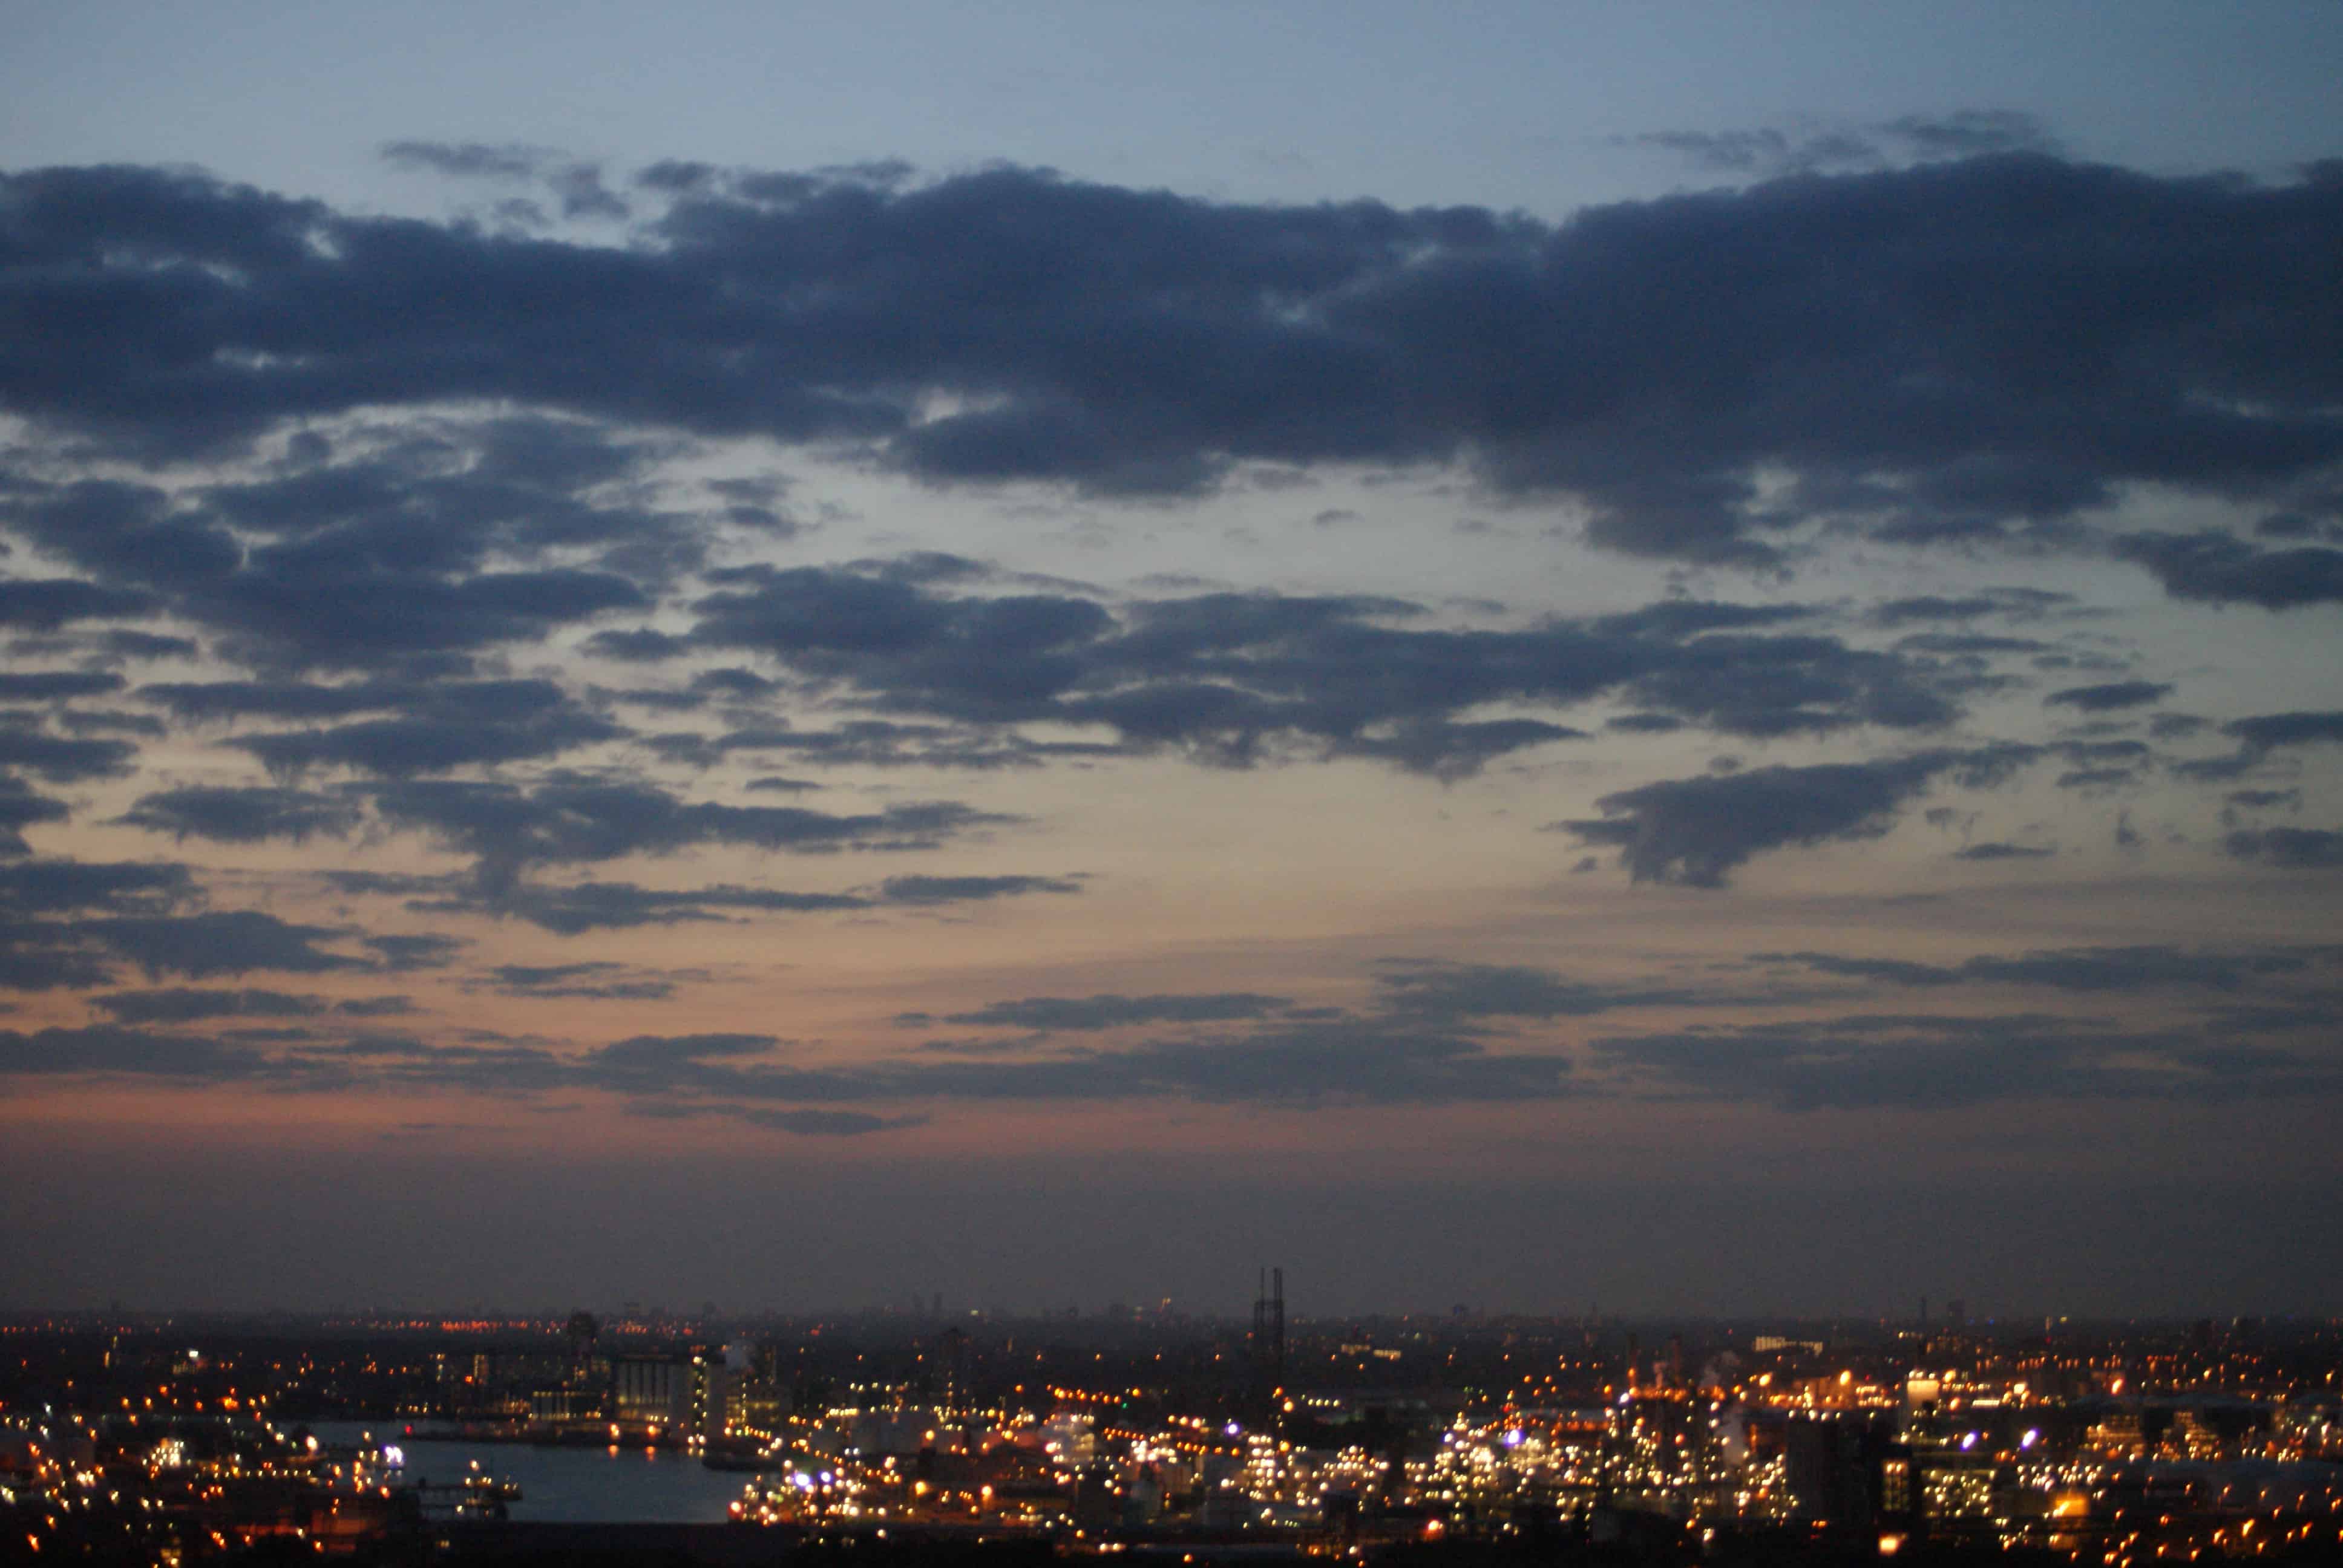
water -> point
(566, 1485)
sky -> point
(1529, 656)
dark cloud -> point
(1770, 687)
(1924, 1063)
(977, 1045)
(56, 684)
(600, 980)
(1429, 1043)
(1111, 1011)
(1300, 1065)
(1645, 723)
(2004, 851)
(1973, 647)
(1454, 994)
(732, 682)
(185, 1005)
(583, 906)
(2308, 1013)
(218, 942)
(446, 496)
(39, 952)
(470, 160)
(1236, 679)
(972, 657)
(370, 617)
(571, 909)
(575, 183)
(2295, 525)
(124, 645)
(1450, 751)
(434, 726)
(37, 957)
(126, 535)
(111, 721)
(2267, 732)
(2260, 735)
(573, 818)
(1894, 972)
(1292, 1063)
(56, 886)
(46, 603)
(516, 719)
(385, 560)
(234, 699)
(420, 951)
(244, 816)
(2017, 603)
(27, 744)
(401, 746)
(924, 890)
(2091, 969)
(1228, 678)
(2216, 568)
(2063, 330)
(2111, 697)
(829, 1123)
(1412, 996)
(402, 1062)
(879, 743)
(1967, 133)
(22, 807)
(1295, 1065)
(2294, 848)
(2125, 752)
(110, 1049)
(1697, 831)
(640, 645)
(655, 1059)
(2216, 769)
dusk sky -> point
(1684, 657)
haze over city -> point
(1518, 654)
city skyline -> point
(1673, 660)
(1543, 1439)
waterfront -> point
(563, 1485)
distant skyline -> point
(1534, 655)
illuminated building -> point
(651, 1390)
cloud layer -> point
(410, 621)
(1955, 350)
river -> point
(566, 1485)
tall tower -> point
(1269, 1341)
